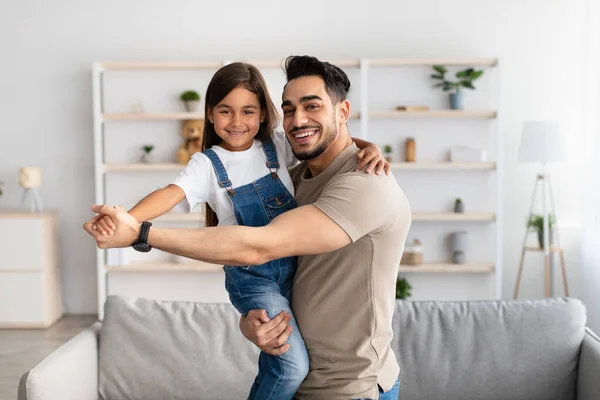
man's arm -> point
(304, 230)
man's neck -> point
(319, 164)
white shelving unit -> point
(364, 115)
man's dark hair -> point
(336, 81)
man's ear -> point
(344, 111)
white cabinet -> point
(30, 289)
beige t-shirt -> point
(344, 300)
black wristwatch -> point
(141, 244)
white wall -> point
(48, 48)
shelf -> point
(176, 217)
(440, 166)
(152, 117)
(161, 65)
(352, 63)
(454, 217)
(149, 167)
(435, 114)
(281, 63)
(428, 62)
(441, 267)
(197, 266)
(552, 249)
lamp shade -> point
(541, 141)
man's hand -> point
(268, 335)
(126, 227)
(104, 225)
(372, 158)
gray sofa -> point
(485, 350)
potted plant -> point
(536, 223)
(146, 156)
(387, 152)
(459, 206)
(403, 288)
(1, 188)
(465, 80)
(191, 100)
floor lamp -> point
(541, 142)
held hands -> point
(105, 225)
(126, 228)
(372, 158)
(269, 335)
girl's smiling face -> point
(237, 119)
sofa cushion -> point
(151, 349)
(488, 350)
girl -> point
(241, 177)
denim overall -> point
(267, 286)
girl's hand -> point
(105, 226)
(372, 158)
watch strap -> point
(144, 232)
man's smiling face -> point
(310, 118)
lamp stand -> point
(32, 200)
(544, 180)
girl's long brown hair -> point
(226, 79)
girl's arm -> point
(154, 205)
(370, 155)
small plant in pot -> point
(387, 152)
(403, 289)
(191, 100)
(459, 206)
(146, 153)
(536, 223)
(465, 80)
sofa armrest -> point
(588, 375)
(69, 372)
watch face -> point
(143, 247)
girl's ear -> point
(263, 115)
(210, 115)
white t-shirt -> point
(199, 181)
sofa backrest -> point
(504, 350)
(151, 349)
(488, 350)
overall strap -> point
(219, 168)
(271, 155)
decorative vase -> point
(191, 105)
(410, 150)
(458, 244)
(456, 101)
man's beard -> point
(327, 137)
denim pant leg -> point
(391, 394)
(279, 377)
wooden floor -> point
(20, 350)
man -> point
(349, 231)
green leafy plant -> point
(458, 200)
(1, 188)
(190, 95)
(147, 148)
(387, 149)
(465, 78)
(403, 289)
(536, 222)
